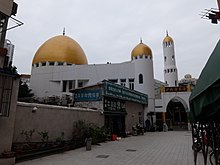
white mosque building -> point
(60, 65)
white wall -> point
(45, 81)
(159, 107)
(183, 97)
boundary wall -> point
(53, 119)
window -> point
(70, 85)
(123, 82)
(172, 58)
(51, 63)
(175, 83)
(171, 70)
(80, 84)
(64, 86)
(131, 83)
(113, 80)
(5, 94)
(43, 63)
(140, 79)
(37, 65)
(60, 63)
(165, 58)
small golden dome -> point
(167, 39)
(141, 49)
(60, 49)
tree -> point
(24, 92)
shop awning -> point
(205, 97)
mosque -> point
(60, 65)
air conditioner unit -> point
(9, 57)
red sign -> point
(176, 89)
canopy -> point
(205, 97)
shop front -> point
(120, 107)
(123, 108)
(115, 114)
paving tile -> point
(152, 148)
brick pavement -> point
(153, 148)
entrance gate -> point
(175, 103)
(176, 116)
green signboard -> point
(121, 92)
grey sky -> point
(109, 30)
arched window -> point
(140, 79)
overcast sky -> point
(108, 30)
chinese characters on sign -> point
(176, 89)
(123, 93)
(111, 104)
(87, 95)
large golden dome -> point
(141, 49)
(60, 49)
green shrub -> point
(83, 130)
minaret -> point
(142, 58)
(170, 70)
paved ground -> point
(153, 148)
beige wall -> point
(7, 125)
(56, 119)
(90, 104)
(53, 119)
(132, 117)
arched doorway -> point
(176, 114)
